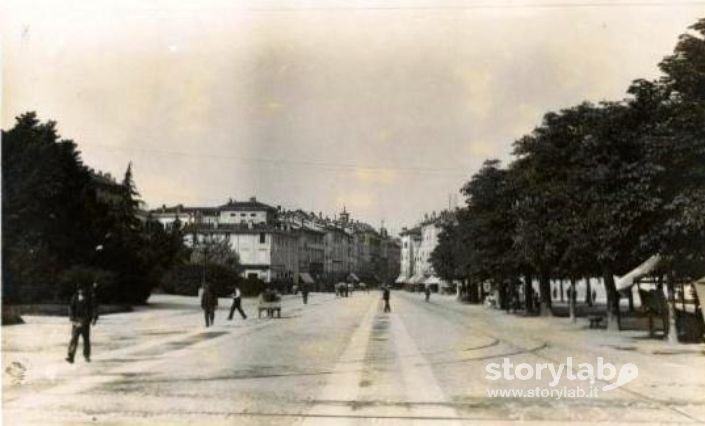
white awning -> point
(402, 278)
(626, 281)
(432, 280)
(306, 278)
(417, 279)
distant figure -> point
(237, 304)
(304, 293)
(350, 290)
(537, 300)
(594, 296)
(81, 315)
(427, 292)
(209, 301)
(385, 297)
(94, 301)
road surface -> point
(335, 361)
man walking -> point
(237, 304)
(81, 315)
(385, 297)
(209, 302)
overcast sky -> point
(386, 107)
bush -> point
(186, 279)
(84, 276)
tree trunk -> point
(528, 294)
(545, 293)
(588, 292)
(560, 284)
(672, 336)
(571, 301)
(473, 292)
(612, 301)
(630, 298)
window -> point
(253, 214)
(243, 214)
(262, 237)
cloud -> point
(376, 176)
(356, 200)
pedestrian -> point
(304, 293)
(237, 304)
(209, 301)
(94, 301)
(385, 297)
(427, 291)
(80, 315)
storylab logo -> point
(564, 380)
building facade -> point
(294, 247)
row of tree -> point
(64, 225)
(592, 191)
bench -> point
(595, 321)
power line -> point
(290, 162)
(488, 6)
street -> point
(334, 361)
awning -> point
(417, 279)
(432, 280)
(626, 281)
(353, 277)
(402, 278)
(306, 278)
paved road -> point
(339, 362)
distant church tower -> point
(344, 216)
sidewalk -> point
(33, 354)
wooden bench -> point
(595, 321)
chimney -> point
(253, 199)
(230, 201)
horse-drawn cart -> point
(271, 303)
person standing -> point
(209, 302)
(427, 291)
(237, 304)
(304, 293)
(385, 297)
(81, 315)
(94, 302)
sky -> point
(384, 107)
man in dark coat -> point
(81, 314)
(237, 304)
(209, 301)
(385, 297)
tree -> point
(54, 222)
(489, 225)
(45, 188)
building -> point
(418, 243)
(267, 248)
(410, 243)
(293, 246)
